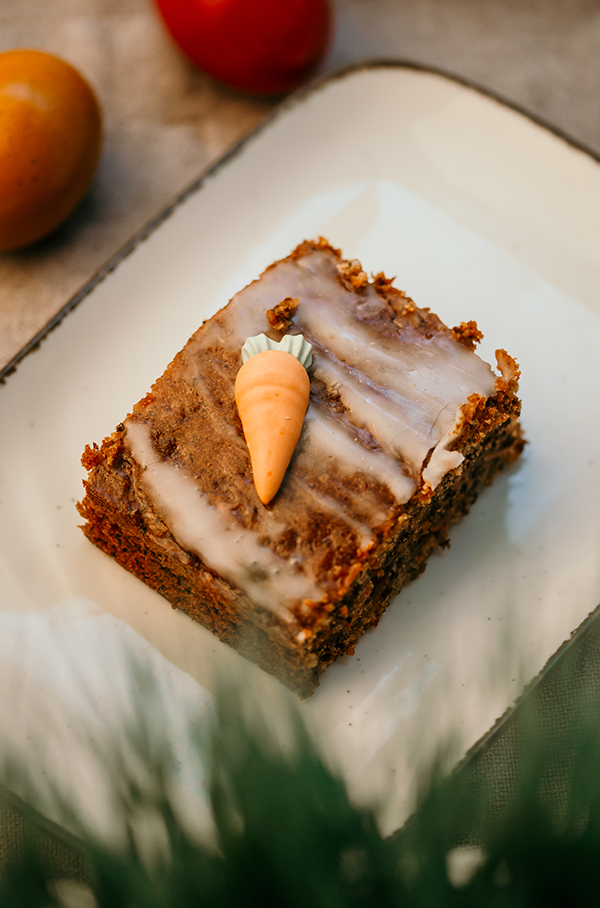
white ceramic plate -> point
(481, 214)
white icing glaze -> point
(215, 535)
(442, 460)
(406, 393)
(328, 439)
(406, 390)
(362, 531)
(372, 409)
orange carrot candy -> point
(271, 392)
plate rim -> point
(289, 104)
(294, 99)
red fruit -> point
(264, 46)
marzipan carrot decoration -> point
(271, 392)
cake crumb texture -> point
(405, 426)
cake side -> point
(369, 493)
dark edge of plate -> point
(296, 98)
(42, 823)
(508, 715)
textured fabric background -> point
(166, 123)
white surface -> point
(481, 214)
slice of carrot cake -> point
(405, 426)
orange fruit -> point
(50, 137)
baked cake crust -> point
(382, 469)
